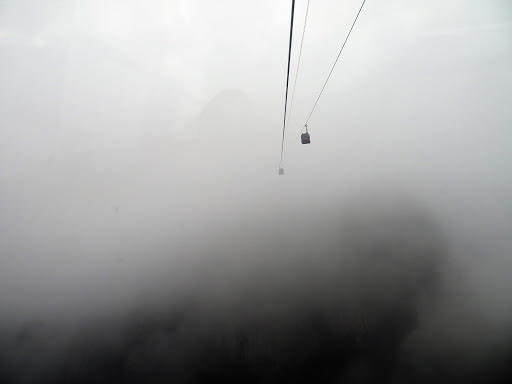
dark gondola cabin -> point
(281, 171)
(305, 139)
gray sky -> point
(185, 52)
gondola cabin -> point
(281, 171)
(305, 138)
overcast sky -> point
(166, 59)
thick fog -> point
(146, 236)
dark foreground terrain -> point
(367, 299)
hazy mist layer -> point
(145, 235)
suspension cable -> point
(298, 64)
(287, 80)
(339, 54)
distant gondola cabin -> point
(305, 139)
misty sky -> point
(156, 63)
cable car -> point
(305, 138)
(281, 171)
